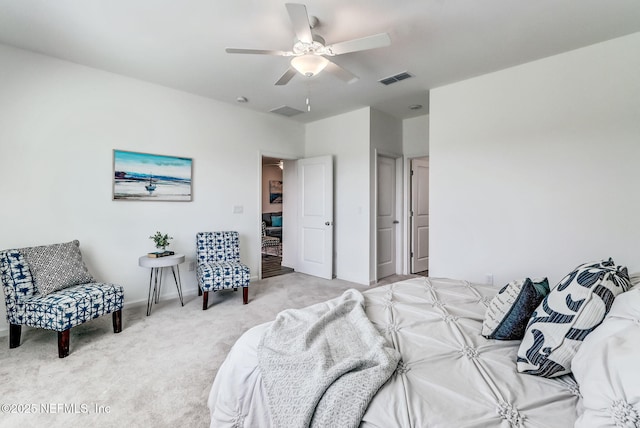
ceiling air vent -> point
(393, 79)
(286, 111)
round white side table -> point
(155, 279)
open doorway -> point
(272, 218)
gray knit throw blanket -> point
(322, 365)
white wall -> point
(59, 123)
(346, 137)
(415, 136)
(534, 169)
(386, 133)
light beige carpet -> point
(157, 372)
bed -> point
(448, 374)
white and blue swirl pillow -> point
(573, 309)
(509, 311)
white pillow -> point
(571, 311)
(607, 368)
(634, 278)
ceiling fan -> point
(309, 51)
(279, 164)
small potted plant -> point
(162, 242)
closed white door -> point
(315, 216)
(386, 216)
(420, 215)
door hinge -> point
(411, 172)
(412, 254)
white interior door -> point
(315, 216)
(386, 216)
(420, 215)
(290, 213)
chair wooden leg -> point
(63, 343)
(14, 335)
(205, 300)
(117, 321)
(245, 295)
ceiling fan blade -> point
(300, 20)
(256, 51)
(341, 73)
(288, 75)
(361, 44)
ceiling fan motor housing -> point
(316, 47)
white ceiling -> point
(180, 43)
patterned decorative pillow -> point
(573, 309)
(509, 311)
(57, 266)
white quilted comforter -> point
(449, 375)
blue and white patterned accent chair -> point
(59, 310)
(219, 265)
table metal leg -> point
(152, 296)
(159, 281)
(155, 285)
(178, 282)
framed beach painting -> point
(149, 177)
(275, 191)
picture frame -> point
(275, 191)
(151, 177)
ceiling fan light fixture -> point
(309, 65)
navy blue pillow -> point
(508, 313)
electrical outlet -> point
(489, 278)
(192, 266)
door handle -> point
(395, 222)
(327, 223)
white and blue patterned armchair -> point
(58, 308)
(219, 265)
